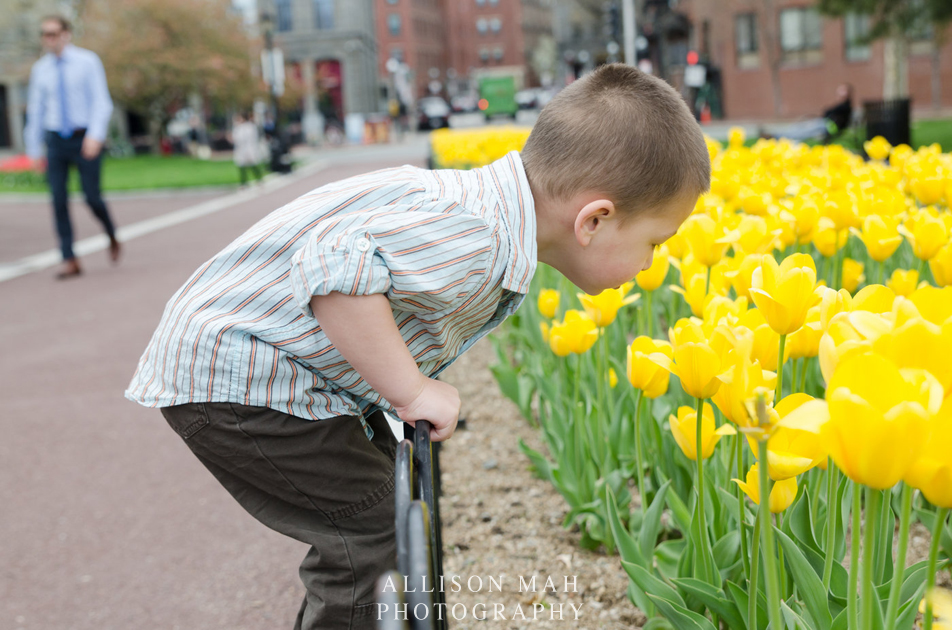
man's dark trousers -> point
(60, 153)
(321, 482)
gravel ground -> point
(500, 521)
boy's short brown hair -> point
(620, 132)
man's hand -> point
(91, 148)
(436, 402)
(38, 165)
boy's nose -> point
(648, 263)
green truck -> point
(497, 95)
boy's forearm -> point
(363, 330)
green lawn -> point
(141, 172)
(929, 131)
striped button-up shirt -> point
(453, 251)
(84, 88)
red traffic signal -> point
(692, 57)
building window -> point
(394, 23)
(801, 35)
(493, 3)
(856, 35)
(495, 25)
(484, 54)
(482, 25)
(283, 9)
(497, 54)
(391, 1)
(745, 40)
(323, 14)
(480, 3)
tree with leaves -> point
(894, 21)
(157, 53)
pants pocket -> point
(186, 420)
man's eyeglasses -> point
(50, 34)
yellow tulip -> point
(878, 148)
(785, 292)
(548, 302)
(941, 266)
(927, 236)
(880, 235)
(806, 341)
(876, 298)
(840, 207)
(874, 420)
(941, 602)
(753, 236)
(652, 277)
(544, 328)
(603, 308)
(805, 214)
(577, 333)
(766, 340)
(782, 493)
(827, 239)
(919, 344)
(831, 303)
(931, 472)
(645, 374)
(695, 363)
(740, 273)
(852, 274)
(928, 189)
(840, 341)
(684, 429)
(791, 452)
(741, 383)
(903, 282)
(704, 238)
(736, 137)
(612, 378)
(934, 304)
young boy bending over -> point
(277, 358)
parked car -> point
(527, 99)
(465, 103)
(433, 113)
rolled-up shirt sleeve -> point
(424, 261)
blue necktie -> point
(66, 129)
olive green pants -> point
(321, 482)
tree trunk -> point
(895, 67)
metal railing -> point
(412, 598)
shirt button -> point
(362, 244)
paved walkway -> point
(106, 520)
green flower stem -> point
(882, 271)
(769, 550)
(873, 504)
(793, 376)
(922, 270)
(739, 450)
(893, 608)
(650, 313)
(852, 608)
(831, 507)
(700, 488)
(836, 267)
(940, 517)
(782, 571)
(803, 375)
(578, 377)
(707, 282)
(638, 460)
(754, 574)
(779, 396)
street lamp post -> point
(267, 25)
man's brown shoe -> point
(70, 270)
(114, 249)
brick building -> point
(455, 39)
(813, 55)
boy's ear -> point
(591, 218)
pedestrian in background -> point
(244, 136)
(68, 109)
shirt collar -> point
(67, 53)
(517, 210)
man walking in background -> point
(68, 109)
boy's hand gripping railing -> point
(419, 541)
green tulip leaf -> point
(792, 619)
(727, 549)
(713, 598)
(640, 599)
(680, 511)
(658, 623)
(908, 611)
(807, 581)
(652, 585)
(627, 547)
(799, 524)
(841, 622)
(667, 555)
(680, 617)
(729, 501)
(651, 525)
(540, 465)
